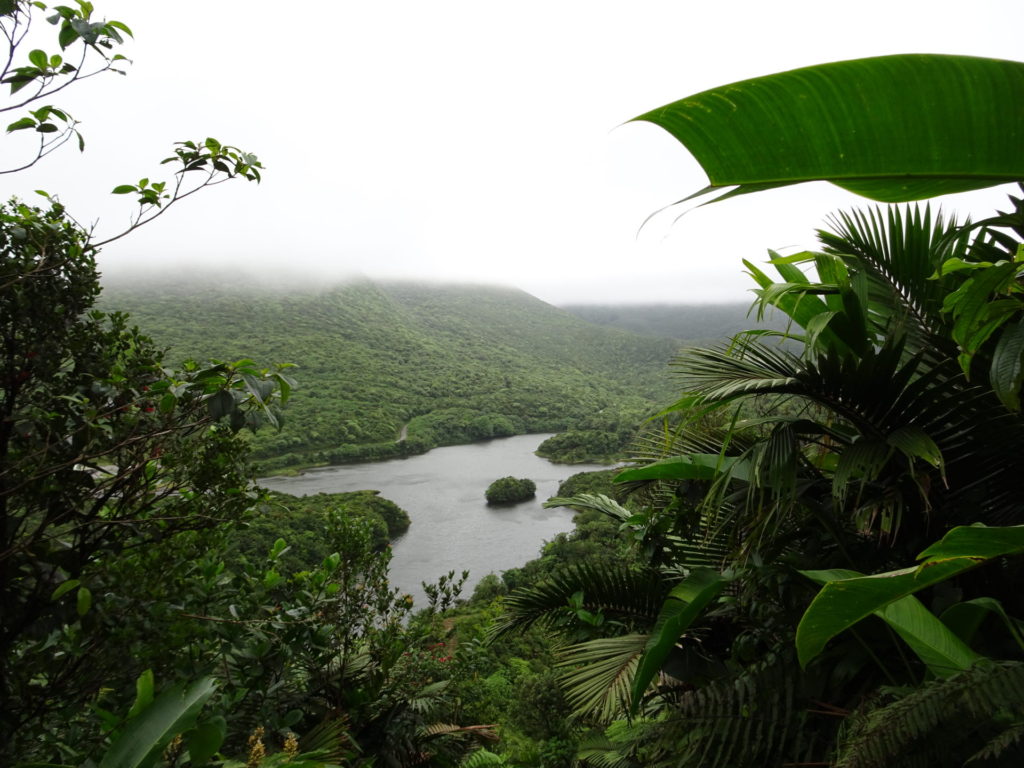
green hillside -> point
(450, 364)
(691, 322)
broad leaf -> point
(847, 593)
(965, 618)
(1007, 372)
(685, 603)
(891, 128)
(848, 597)
(145, 737)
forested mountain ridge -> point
(454, 363)
(692, 322)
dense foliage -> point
(704, 323)
(777, 617)
(391, 369)
(300, 521)
(744, 596)
(509, 490)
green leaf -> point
(965, 618)
(891, 128)
(797, 302)
(123, 189)
(145, 737)
(84, 601)
(64, 588)
(39, 58)
(22, 124)
(685, 603)
(848, 597)
(119, 25)
(932, 641)
(221, 403)
(1006, 373)
(976, 541)
(144, 688)
(957, 264)
(203, 741)
(66, 36)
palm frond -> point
(629, 595)
(597, 750)
(596, 502)
(330, 740)
(597, 675)
(437, 730)
(900, 250)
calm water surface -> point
(443, 492)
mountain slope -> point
(692, 322)
(454, 363)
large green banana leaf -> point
(891, 128)
(848, 597)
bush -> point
(509, 490)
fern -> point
(944, 719)
(748, 720)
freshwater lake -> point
(443, 492)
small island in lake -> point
(509, 490)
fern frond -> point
(751, 719)
(998, 746)
(428, 697)
(481, 758)
(942, 717)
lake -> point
(443, 492)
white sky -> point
(468, 141)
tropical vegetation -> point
(509, 490)
(813, 559)
(889, 434)
(391, 369)
(135, 624)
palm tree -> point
(873, 429)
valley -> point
(393, 369)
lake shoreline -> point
(443, 492)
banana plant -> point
(890, 128)
(848, 597)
